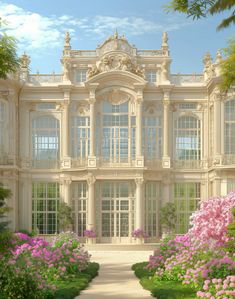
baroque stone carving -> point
(115, 62)
(209, 68)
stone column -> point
(217, 128)
(92, 126)
(139, 104)
(166, 158)
(92, 100)
(217, 186)
(139, 114)
(139, 217)
(91, 203)
(65, 140)
(67, 193)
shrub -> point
(210, 222)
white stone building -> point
(116, 136)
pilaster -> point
(66, 160)
(92, 100)
(217, 128)
(91, 203)
(139, 219)
(166, 161)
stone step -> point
(122, 247)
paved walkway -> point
(116, 280)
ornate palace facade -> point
(115, 136)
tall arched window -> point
(152, 137)
(80, 137)
(118, 128)
(229, 127)
(2, 127)
(187, 138)
(45, 142)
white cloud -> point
(36, 32)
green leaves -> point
(9, 62)
(228, 67)
(202, 8)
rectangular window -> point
(152, 205)
(46, 106)
(45, 201)
(186, 198)
(231, 185)
(80, 136)
(81, 75)
(79, 206)
(150, 76)
(187, 106)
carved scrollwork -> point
(115, 62)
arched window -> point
(80, 136)
(152, 137)
(187, 138)
(118, 127)
(229, 127)
(45, 142)
(2, 127)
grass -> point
(69, 289)
(73, 287)
(162, 289)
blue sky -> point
(39, 27)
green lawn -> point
(162, 289)
(73, 287)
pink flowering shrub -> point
(209, 223)
(36, 265)
(218, 288)
(139, 233)
(167, 249)
(89, 233)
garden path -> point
(116, 280)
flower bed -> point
(33, 267)
(199, 264)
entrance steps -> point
(121, 247)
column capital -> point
(166, 103)
(139, 100)
(166, 95)
(65, 181)
(139, 181)
(91, 179)
(92, 100)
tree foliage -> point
(64, 216)
(168, 217)
(9, 61)
(202, 8)
(228, 67)
(4, 194)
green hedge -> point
(162, 289)
(73, 287)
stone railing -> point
(188, 164)
(150, 53)
(228, 159)
(6, 160)
(153, 163)
(180, 79)
(46, 164)
(45, 78)
(86, 53)
(105, 162)
(79, 162)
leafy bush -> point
(210, 222)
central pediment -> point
(116, 43)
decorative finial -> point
(207, 60)
(164, 39)
(116, 34)
(25, 61)
(67, 39)
(218, 56)
(165, 49)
